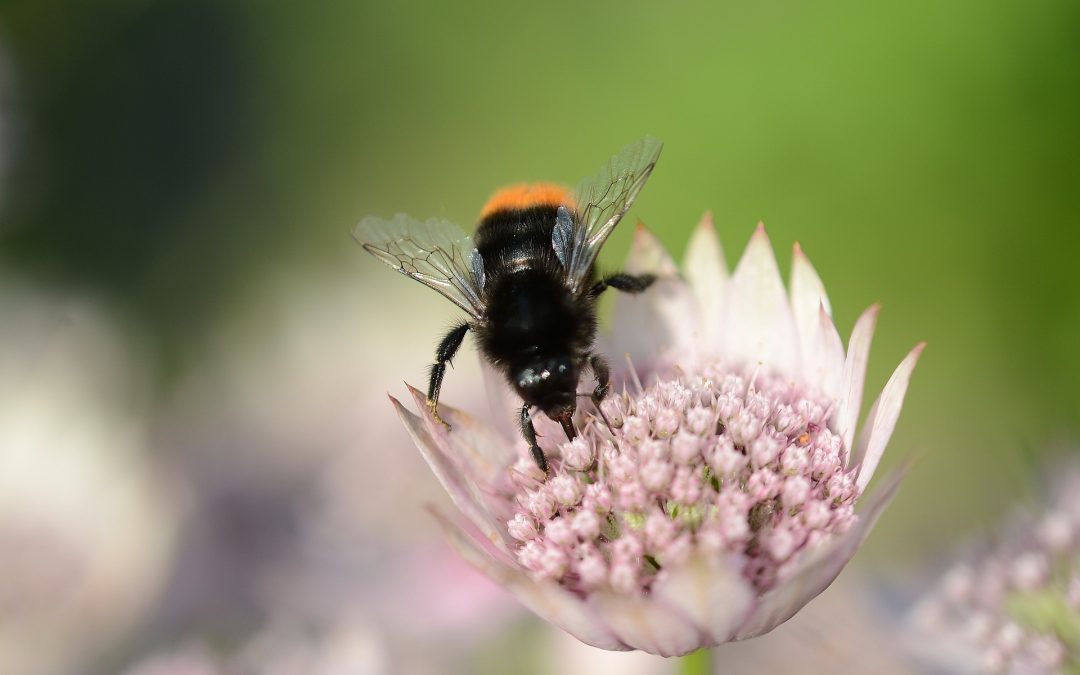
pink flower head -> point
(709, 504)
(1014, 606)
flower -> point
(86, 520)
(705, 507)
(1014, 605)
(349, 644)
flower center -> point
(720, 461)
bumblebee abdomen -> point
(524, 196)
(515, 229)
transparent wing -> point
(437, 253)
(602, 201)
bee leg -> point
(448, 346)
(627, 283)
(529, 432)
(603, 377)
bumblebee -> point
(527, 281)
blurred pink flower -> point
(86, 521)
(721, 499)
(1014, 606)
(282, 647)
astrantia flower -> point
(706, 505)
(1014, 607)
(86, 521)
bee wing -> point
(437, 253)
(602, 201)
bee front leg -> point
(529, 432)
(448, 346)
(603, 376)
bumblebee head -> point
(550, 384)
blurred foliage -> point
(172, 153)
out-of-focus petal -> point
(707, 274)
(568, 655)
(858, 355)
(882, 418)
(712, 593)
(820, 568)
(652, 326)
(644, 624)
(548, 600)
(462, 491)
(502, 402)
(758, 326)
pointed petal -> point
(820, 568)
(647, 254)
(656, 325)
(712, 593)
(759, 327)
(706, 273)
(882, 418)
(548, 600)
(462, 491)
(480, 453)
(830, 372)
(807, 291)
(644, 624)
(851, 389)
(808, 299)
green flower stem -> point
(697, 663)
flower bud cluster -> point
(1017, 604)
(719, 463)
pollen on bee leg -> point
(434, 408)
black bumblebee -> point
(527, 280)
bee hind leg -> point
(529, 432)
(627, 283)
(444, 354)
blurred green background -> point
(172, 158)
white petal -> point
(851, 388)
(808, 303)
(706, 272)
(644, 624)
(830, 372)
(758, 326)
(712, 593)
(819, 569)
(882, 418)
(807, 293)
(463, 492)
(548, 600)
(656, 325)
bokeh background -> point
(198, 465)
